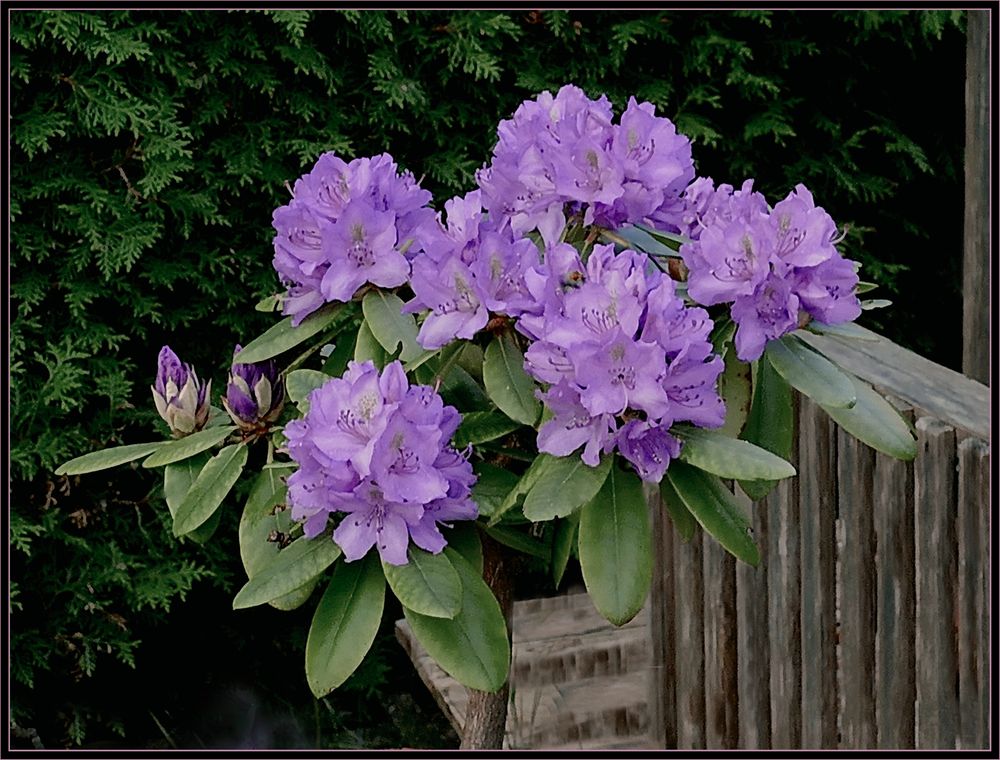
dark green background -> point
(149, 151)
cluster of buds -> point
(254, 396)
(181, 400)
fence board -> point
(976, 255)
(784, 605)
(936, 656)
(817, 478)
(719, 568)
(973, 599)
(689, 652)
(895, 599)
(662, 700)
(856, 553)
(753, 652)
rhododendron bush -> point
(590, 322)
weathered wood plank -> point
(973, 599)
(895, 690)
(753, 651)
(976, 247)
(817, 480)
(784, 607)
(662, 703)
(919, 381)
(935, 551)
(856, 555)
(689, 652)
(721, 688)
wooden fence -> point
(866, 624)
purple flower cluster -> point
(566, 150)
(378, 449)
(347, 225)
(776, 266)
(468, 270)
(623, 356)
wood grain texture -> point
(721, 686)
(936, 390)
(817, 478)
(593, 699)
(976, 238)
(785, 606)
(856, 556)
(895, 601)
(973, 597)
(662, 701)
(752, 629)
(936, 585)
(689, 652)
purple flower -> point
(573, 426)
(456, 301)
(826, 291)
(255, 394)
(467, 270)
(648, 447)
(347, 225)
(768, 313)
(181, 400)
(375, 452)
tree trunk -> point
(486, 714)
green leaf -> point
(810, 372)
(492, 487)
(177, 481)
(667, 238)
(259, 521)
(366, 348)
(345, 623)
(641, 240)
(715, 509)
(463, 537)
(300, 383)
(105, 458)
(336, 363)
(460, 389)
(874, 421)
(843, 330)
(735, 389)
(562, 544)
(188, 446)
(728, 457)
(864, 287)
(507, 384)
(563, 485)
(390, 326)
(875, 303)
(282, 336)
(270, 303)
(427, 584)
(479, 427)
(519, 540)
(292, 567)
(473, 647)
(769, 424)
(680, 516)
(210, 488)
(525, 484)
(616, 547)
